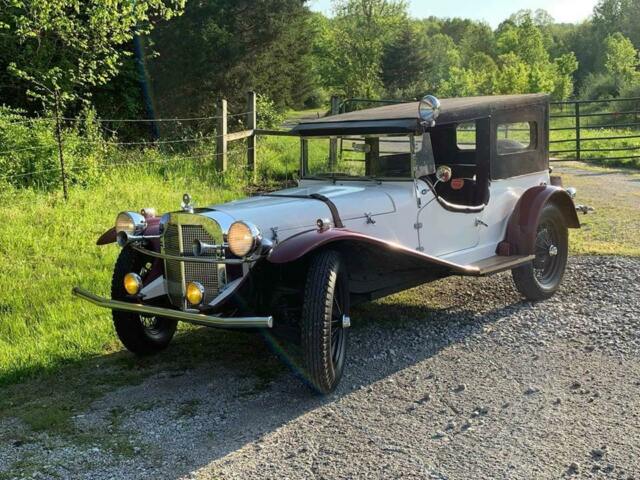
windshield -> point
(364, 156)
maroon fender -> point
(521, 229)
(107, 237)
(303, 243)
(153, 228)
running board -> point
(498, 264)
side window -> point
(516, 137)
(466, 136)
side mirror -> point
(444, 173)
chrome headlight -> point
(131, 223)
(243, 239)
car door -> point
(442, 232)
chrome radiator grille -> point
(178, 240)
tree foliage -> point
(67, 48)
(83, 49)
(227, 47)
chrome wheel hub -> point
(553, 250)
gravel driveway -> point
(479, 384)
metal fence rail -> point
(581, 111)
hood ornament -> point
(186, 204)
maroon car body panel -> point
(522, 227)
(304, 243)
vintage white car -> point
(388, 198)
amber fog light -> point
(132, 283)
(195, 293)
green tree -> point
(610, 16)
(478, 78)
(63, 49)
(353, 48)
(223, 48)
(565, 66)
(621, 59)
(405, 62)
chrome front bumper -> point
(189, 317)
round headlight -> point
(131, 223)
(243, 239)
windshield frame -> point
(333, 151)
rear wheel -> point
(541, 278)
(140, 334)
(325, 317)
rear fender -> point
(521, 229)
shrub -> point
(269, 115)
(599, 86)
(29, 150)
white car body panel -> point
(401, 212)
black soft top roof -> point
(404, 118)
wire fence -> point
(61, 141)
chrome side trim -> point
(227, 261)
(189, 317)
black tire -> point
(541, 278)
(140, 335)
(324, 340)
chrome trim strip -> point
(189, 317)
(227, 261)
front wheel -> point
(325, 318)
(541, 278)
(140, 334)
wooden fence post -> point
(577, 130)
(251, 141)
(333, 143)
(221, 136)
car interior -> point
(455, 146)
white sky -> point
(491, 11)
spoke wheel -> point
(541, 278)
(546, 265)
(325, 315)
(140, 334)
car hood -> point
(285, 210)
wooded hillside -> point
(175, 57)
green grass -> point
(613, 228)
